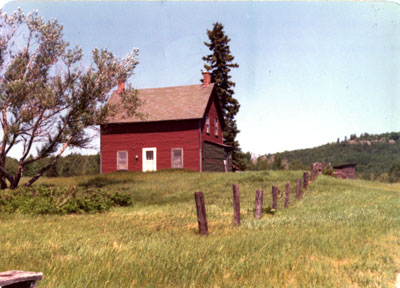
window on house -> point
(122, 160)
(216, 126)
(177, 158)
(149, 155)
(207, 124)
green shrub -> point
(44, 199)
(384, 177)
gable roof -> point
(168, 103)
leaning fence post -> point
(259, 204)
(236, 205)
(274, 197)
(305, 179)
(287, 195)
(201, 213)
(298, 188)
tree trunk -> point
(41, 172)
(52, 163)
(3, 183)
(17, 177)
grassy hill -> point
(373, 153)
(343, 233)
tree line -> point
(70, 165)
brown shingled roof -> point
(168, 103)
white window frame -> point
(216, 130)
(172, 157)
(207, 124)
(127, 160)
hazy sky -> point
(309, 72)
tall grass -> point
(343, 233)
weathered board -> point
(20, 279)
(214, 156)
(346, 171)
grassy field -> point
(342, 234)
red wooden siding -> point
(132, 137)
(212, 113)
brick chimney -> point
(206, 78)
(121, 86)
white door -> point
(149, 159)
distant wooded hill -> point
(70, 165)
(374, 153)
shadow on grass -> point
(102, 181)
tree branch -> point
(52, 163)
(34, 129)
(5, 130)
(51, 146)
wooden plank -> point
(201, 213)
(274, 197)
(258, 204)
(17, 278)
(287, 195)
(236, 205)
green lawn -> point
(343, 233)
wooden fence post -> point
(201, 213)
(298, 188)
(259, 204)
(287, 195)
(312, 174)
(305, 179)
(236, 205)
(274, 197)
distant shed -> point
(346, 171)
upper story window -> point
(207, 124)
(122, 160)
(216, 126)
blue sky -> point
(309, 72)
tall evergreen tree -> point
(219, 64)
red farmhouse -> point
(181, 128)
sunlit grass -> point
(343, 233)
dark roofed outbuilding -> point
(346, 171)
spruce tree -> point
(219, 64)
